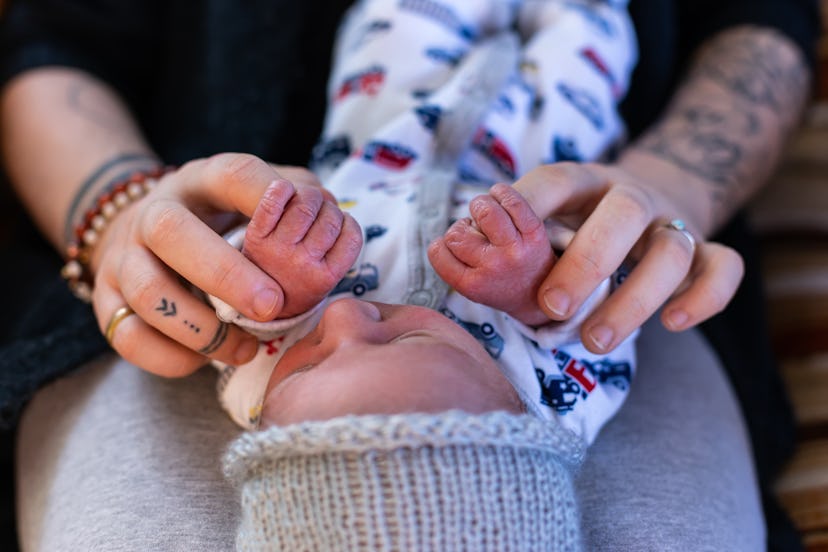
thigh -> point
(673, 471)
(113, 458)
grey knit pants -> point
(116, 459)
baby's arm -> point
(303, 241)
(499, 256)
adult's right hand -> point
(154, 249)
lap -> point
(673, 470)
(113, 458)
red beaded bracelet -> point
(94, 222)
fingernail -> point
(677, 319)
(557, 301)
(601, 336)
(265, 302)
(246, 350)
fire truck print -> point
(578, 378)
(389, 155)
(368, 81)
(496, 151)
(596, 61)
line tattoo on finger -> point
(218, 339)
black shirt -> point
(212, 75)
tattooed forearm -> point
(114, 170)
(751, 64)
(218, 340)
(710, 142)
(730, 118)
(81, 98)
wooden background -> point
(792, 217)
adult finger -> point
(563, 188)
(138, 342)
(661, 270)
(162, 302)
(716, 275)
(231, 182)
(194, 251)
(597, 250)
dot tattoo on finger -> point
(193, 327)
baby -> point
(367, 326)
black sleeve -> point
(111, 39)
(797, 19)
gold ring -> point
(116, 319)
(679, 225)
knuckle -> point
(142, 288)
(638, 308)
(232, 166)
(162, 223)
(632, 204)
(588, 264)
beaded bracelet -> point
(87, 234)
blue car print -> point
(560, 393)
(358, 280)
(618, 374)
(484, 333)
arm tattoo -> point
(754, 67)
(707, 141)
(112, 171)
(733, 113)
(78, 99)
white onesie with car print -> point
(430, 103)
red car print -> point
(388, 155)
(365, 82)
(495, 150)
(600, 65)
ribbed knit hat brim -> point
(416, 482)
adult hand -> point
(169, 238)
(620, 215)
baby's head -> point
(374, 358)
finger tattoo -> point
(218, 339)
(167, 307)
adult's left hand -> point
(619, 215)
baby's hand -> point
(499, 256)
(303, 241)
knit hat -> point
(444, 482)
